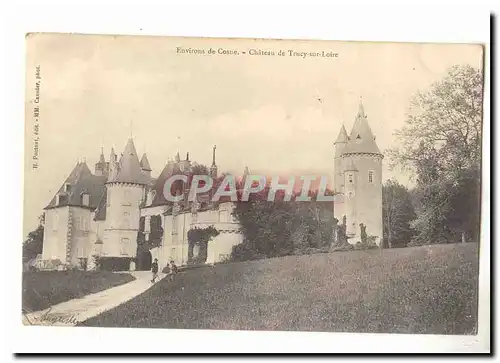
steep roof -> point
(81, 180)
(169, 170)
(342, 138)
(145, 163)
(361, 139)
(129, 167)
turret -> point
(361, 194)
(113, 165)
(145, 167)
(101, 167)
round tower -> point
(125, 192)
(362, 162)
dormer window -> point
(61, 199)
(86, 199)
(67, 187)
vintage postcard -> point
(251, 184)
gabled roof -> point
(129, 167)
(361, 139)
(80, 181)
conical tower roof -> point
(129, 170)
(361, 139)
(145, 163)
(342, 138)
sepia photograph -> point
(252, 184)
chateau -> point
(104, 213)
(119, 212)
(358, 180)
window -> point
(350, 178)
(123, 246)
(86, 199)
(172, 253)
(61, 199)
(370, 176)
(223, 216)
(350, 194)
(67, 188)
(85, 224)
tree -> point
(441, 146)
(33, 245)
(397, 214)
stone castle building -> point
(119, 211)
(358, 180)
(104, 213)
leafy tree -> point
(441, 146)
(282, 227)
(33, 245)
(397, 214)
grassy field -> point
(45, 288)
(411, 290)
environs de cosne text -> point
(257, 52)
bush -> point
(114, 263)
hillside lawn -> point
(427, 290)
(43, 289)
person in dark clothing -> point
(173, 270)
(154, 270)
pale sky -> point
(275, 114)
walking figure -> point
(173, 270)
(154, 270)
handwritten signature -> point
(46, 317)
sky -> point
(274, 114)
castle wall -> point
(175, 234)
(55, 234)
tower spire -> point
(361, 108)
(213, 168)
(213, 155)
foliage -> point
(397, 214)
(441, 146)
(280, 228)
(156, 232)
(114, 263)
(33, 245)
(201, 237)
